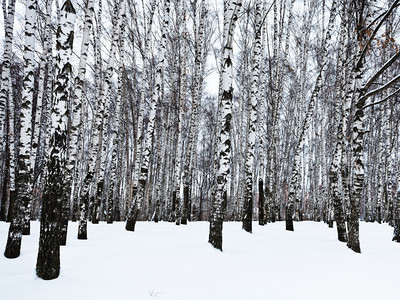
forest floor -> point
(165, 261)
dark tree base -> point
(289, 225)
(353, 241)
(341, 230)
(13, 247)
(247, 227)
(155, 217)
(95, 219)
(82, 235)
(215, 236)
(261, 203)
(396, 233)
(130, 224)
(110, 211)
(3, 191)
(82, 230)
(63, 235)
(355, 247)
(48, 260)
(273, 218)
(248, 216)
(185, 208)
(26, 228)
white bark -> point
(250, 167)
(21, 216)
(41, 85)
(231, 10)
(48, 262)
(116, 131)
(5, 83)
(182, 76)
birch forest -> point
(192, 110)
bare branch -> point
(383, 100)
(381, 70)
(380, 89)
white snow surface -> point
(165, 261)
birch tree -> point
(21, 217)
(117, 119)
(199, 61)
(231, 10)
(48, 260)
(252, 122)
(6, 164)
(360, 93)
(334, 172)
(8, 17)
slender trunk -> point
(334, 171)
(5, 83)
(117, 131)
(191, 151)
(231, 10)
(250, 166)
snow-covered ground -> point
(166, 261)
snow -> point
(166, 261)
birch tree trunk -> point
(231, 11)
(334, 171)
(180, 208)
(116, 125)
(48, 260)
(263, 210)
(360, 94)
(250, 167)
(7, 164)
(20, 221)
(25, 169)
(5, 86)
(191, 151)
(396, 231)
